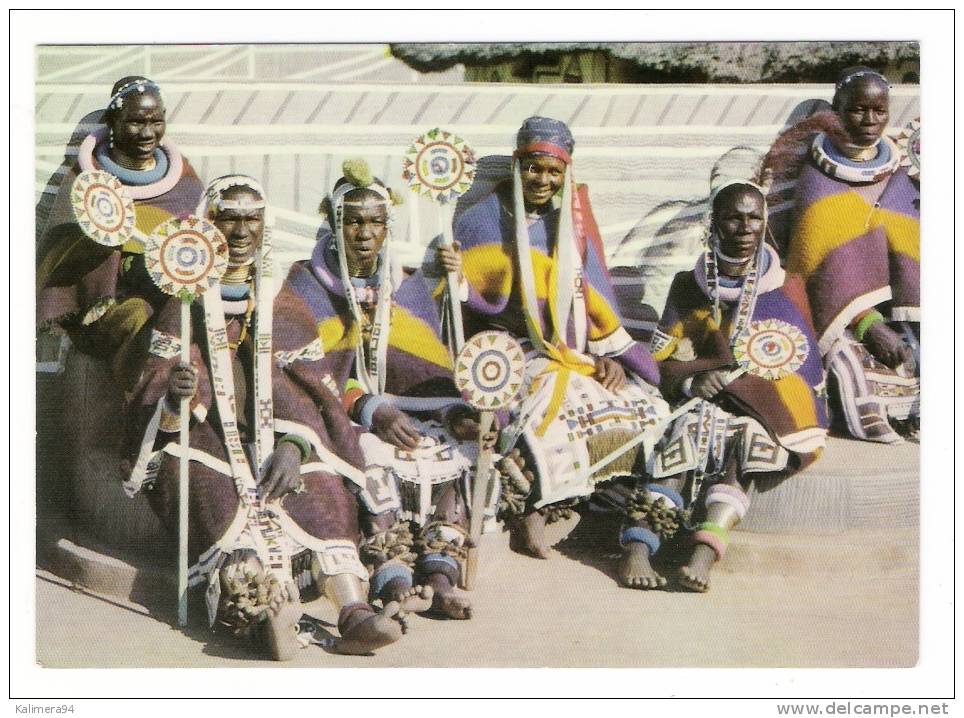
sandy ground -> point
(778, 600)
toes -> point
(393, 609)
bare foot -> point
(634, 569)
(695, 575)
(366, 630)
(279, 633)
(415, 599)
(527, 535)
(450, 601)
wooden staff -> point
(184, 258)
(454, 307)
(182, 484)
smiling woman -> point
(99, 294)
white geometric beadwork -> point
(185, 257)
(103, 208)
(489, 370)
(439, 165)
(771, 349)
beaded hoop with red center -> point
(439, 165)
(909, 143)
(103, 208)
(771, 349)
(186, 257)
(489, 370)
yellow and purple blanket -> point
(491, 266)
(569, 421)
(417, 376)
(856, 245)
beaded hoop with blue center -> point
(489, 370)
(909, 143)
(186, 257)
(771, 349)
(439, 165)
(103, 208)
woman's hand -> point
(393, 426)
(610, 373)
(708, 384)
(463, 424)
(181, 383)
(449, 259)
(283, 473)
(888, 347)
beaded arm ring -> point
(866, 322)
(303, 446)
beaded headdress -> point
(139, 85)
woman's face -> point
(739, 220)
(139, 125)
(364, 227)
(542, 176)
(243, 228)
(864, 108)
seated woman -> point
(736, 334)
(102, 295)
(380, 331)
(269, 445)
(534, 266)
(856, 243)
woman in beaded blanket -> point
(270, 447)
(855, 240)
(101, 296)
(736, 339)
(381, 332)
(534, 265)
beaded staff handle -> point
(440, 165)
(185, 258)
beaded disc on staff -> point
(771, 349)
(439, 165)
(489, 370)
(103, 208)
(186, 256)
(909, 143)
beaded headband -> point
(340, 191)
(214, 203)
(117, 99)
(861, 73)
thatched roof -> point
(682, 61)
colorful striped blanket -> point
(486, 232)
(857, 246)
